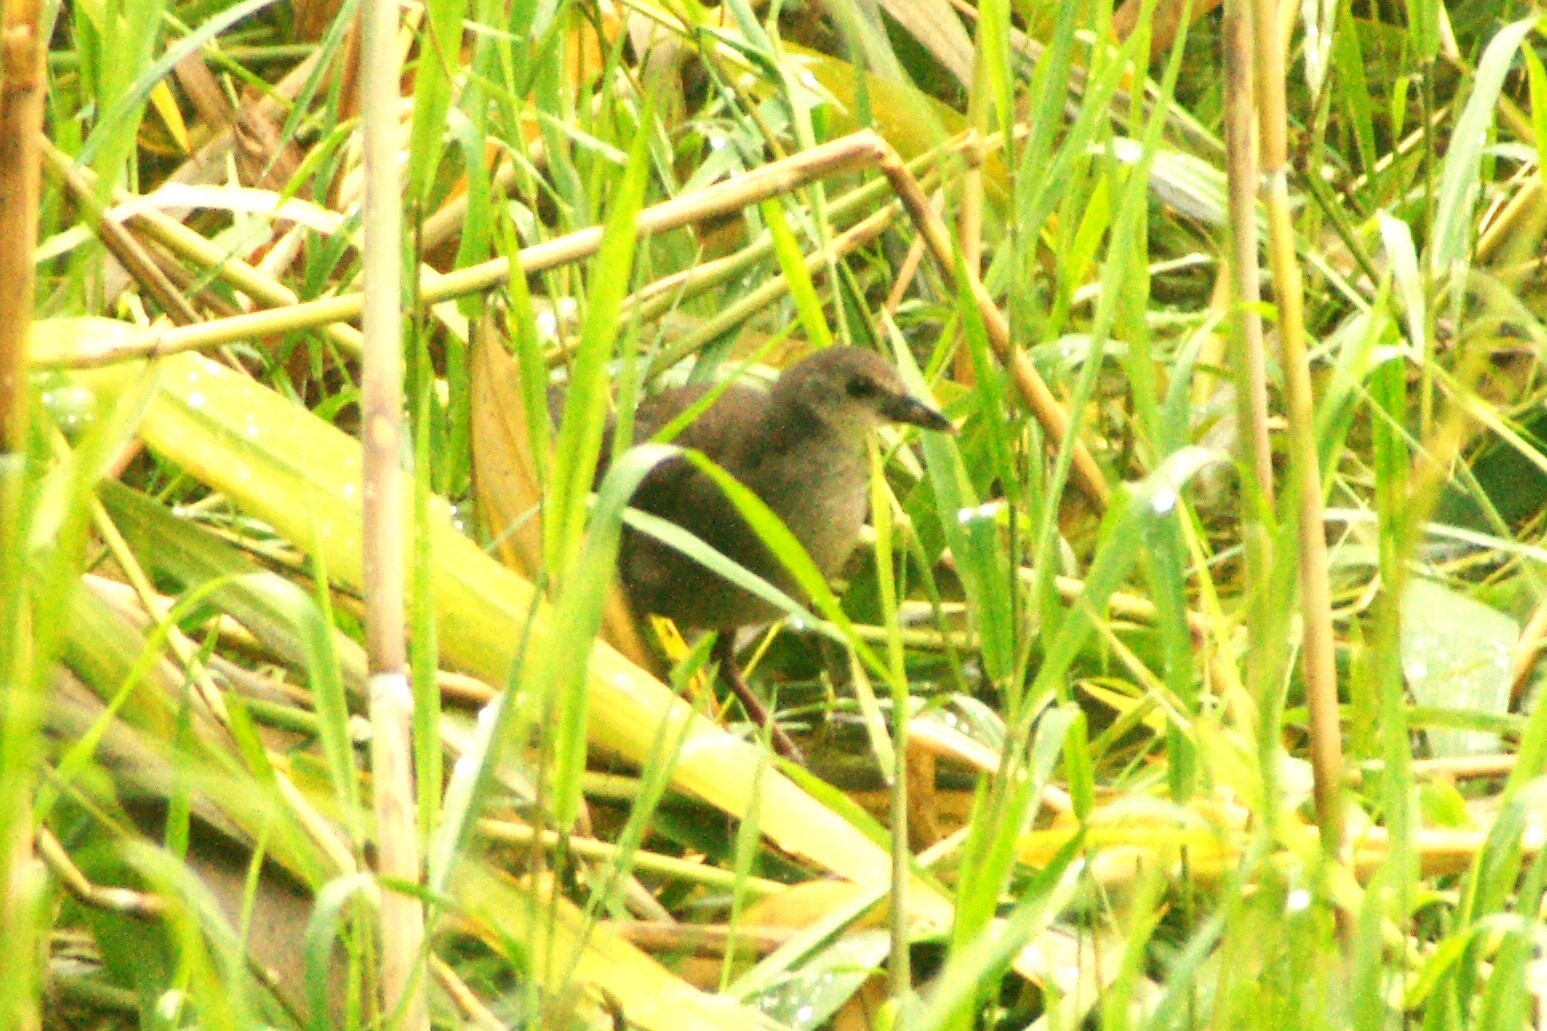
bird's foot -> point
(757, 712)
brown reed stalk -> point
(1317, 656)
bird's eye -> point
(862, 386)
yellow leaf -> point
(166, 106)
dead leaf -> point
(507, 481)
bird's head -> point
(853, 390)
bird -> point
(799, 445)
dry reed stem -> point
(212, 259)
(144, 905)
(1245, 279)
(851, 153)
(471, 1008)
(128, 251)
(382, 516)
(22, 96)
(1317, 646)
(816, 263)
(712, 202)
(1029, 384)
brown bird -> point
(800, 447)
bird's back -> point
(782, 458)
(716, 430)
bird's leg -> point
(725, 655)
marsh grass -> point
(1092, 614)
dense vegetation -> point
(1191, 684)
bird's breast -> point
(821, 493)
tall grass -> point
(1071, 660)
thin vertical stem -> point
(391, 704)
(1315, 590)
(1263, 655)
(1245, 275)
(21, 118)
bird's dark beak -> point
(911, 410)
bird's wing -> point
(717, 430)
